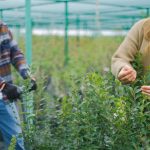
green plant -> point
(12, 145)
(84, 107)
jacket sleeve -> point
(1, 31)
(18, 59)
(127, 50)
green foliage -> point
(85, 107)
(97, 118)
(136, 126)
(12, 145)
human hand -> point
(145, 90)
(11, 92)
(27, 75)
(33, 85)
(127, 74)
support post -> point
(1, 14)
(66, 48)
(17, 32)
(27, 105)
(78, 30)
(28, 32)
(147, 12)
(97, 17)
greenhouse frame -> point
(71, 14)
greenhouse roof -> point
(83, 14)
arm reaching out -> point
(126, 52)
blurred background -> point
(70, 18)
(63, 41)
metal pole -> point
(85, 26)
(78, 30)
(17, 33)
(27, 104)
(97, 16)
(147, 12)
(28, 32)
(66, 49)
(1, 14)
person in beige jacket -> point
(137, 40)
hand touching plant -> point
(33, 84)
(146, 90)
(10, 91)
(127, 74)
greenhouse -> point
(79, 77)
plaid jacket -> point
(10, 54)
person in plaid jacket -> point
(10, 55)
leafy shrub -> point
(95, 111)
(99, 113)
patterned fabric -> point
(10, 54)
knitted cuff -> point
(24, 73)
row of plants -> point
(82, 106)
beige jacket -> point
(137, 39)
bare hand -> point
(146, 90)
(127, 74)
